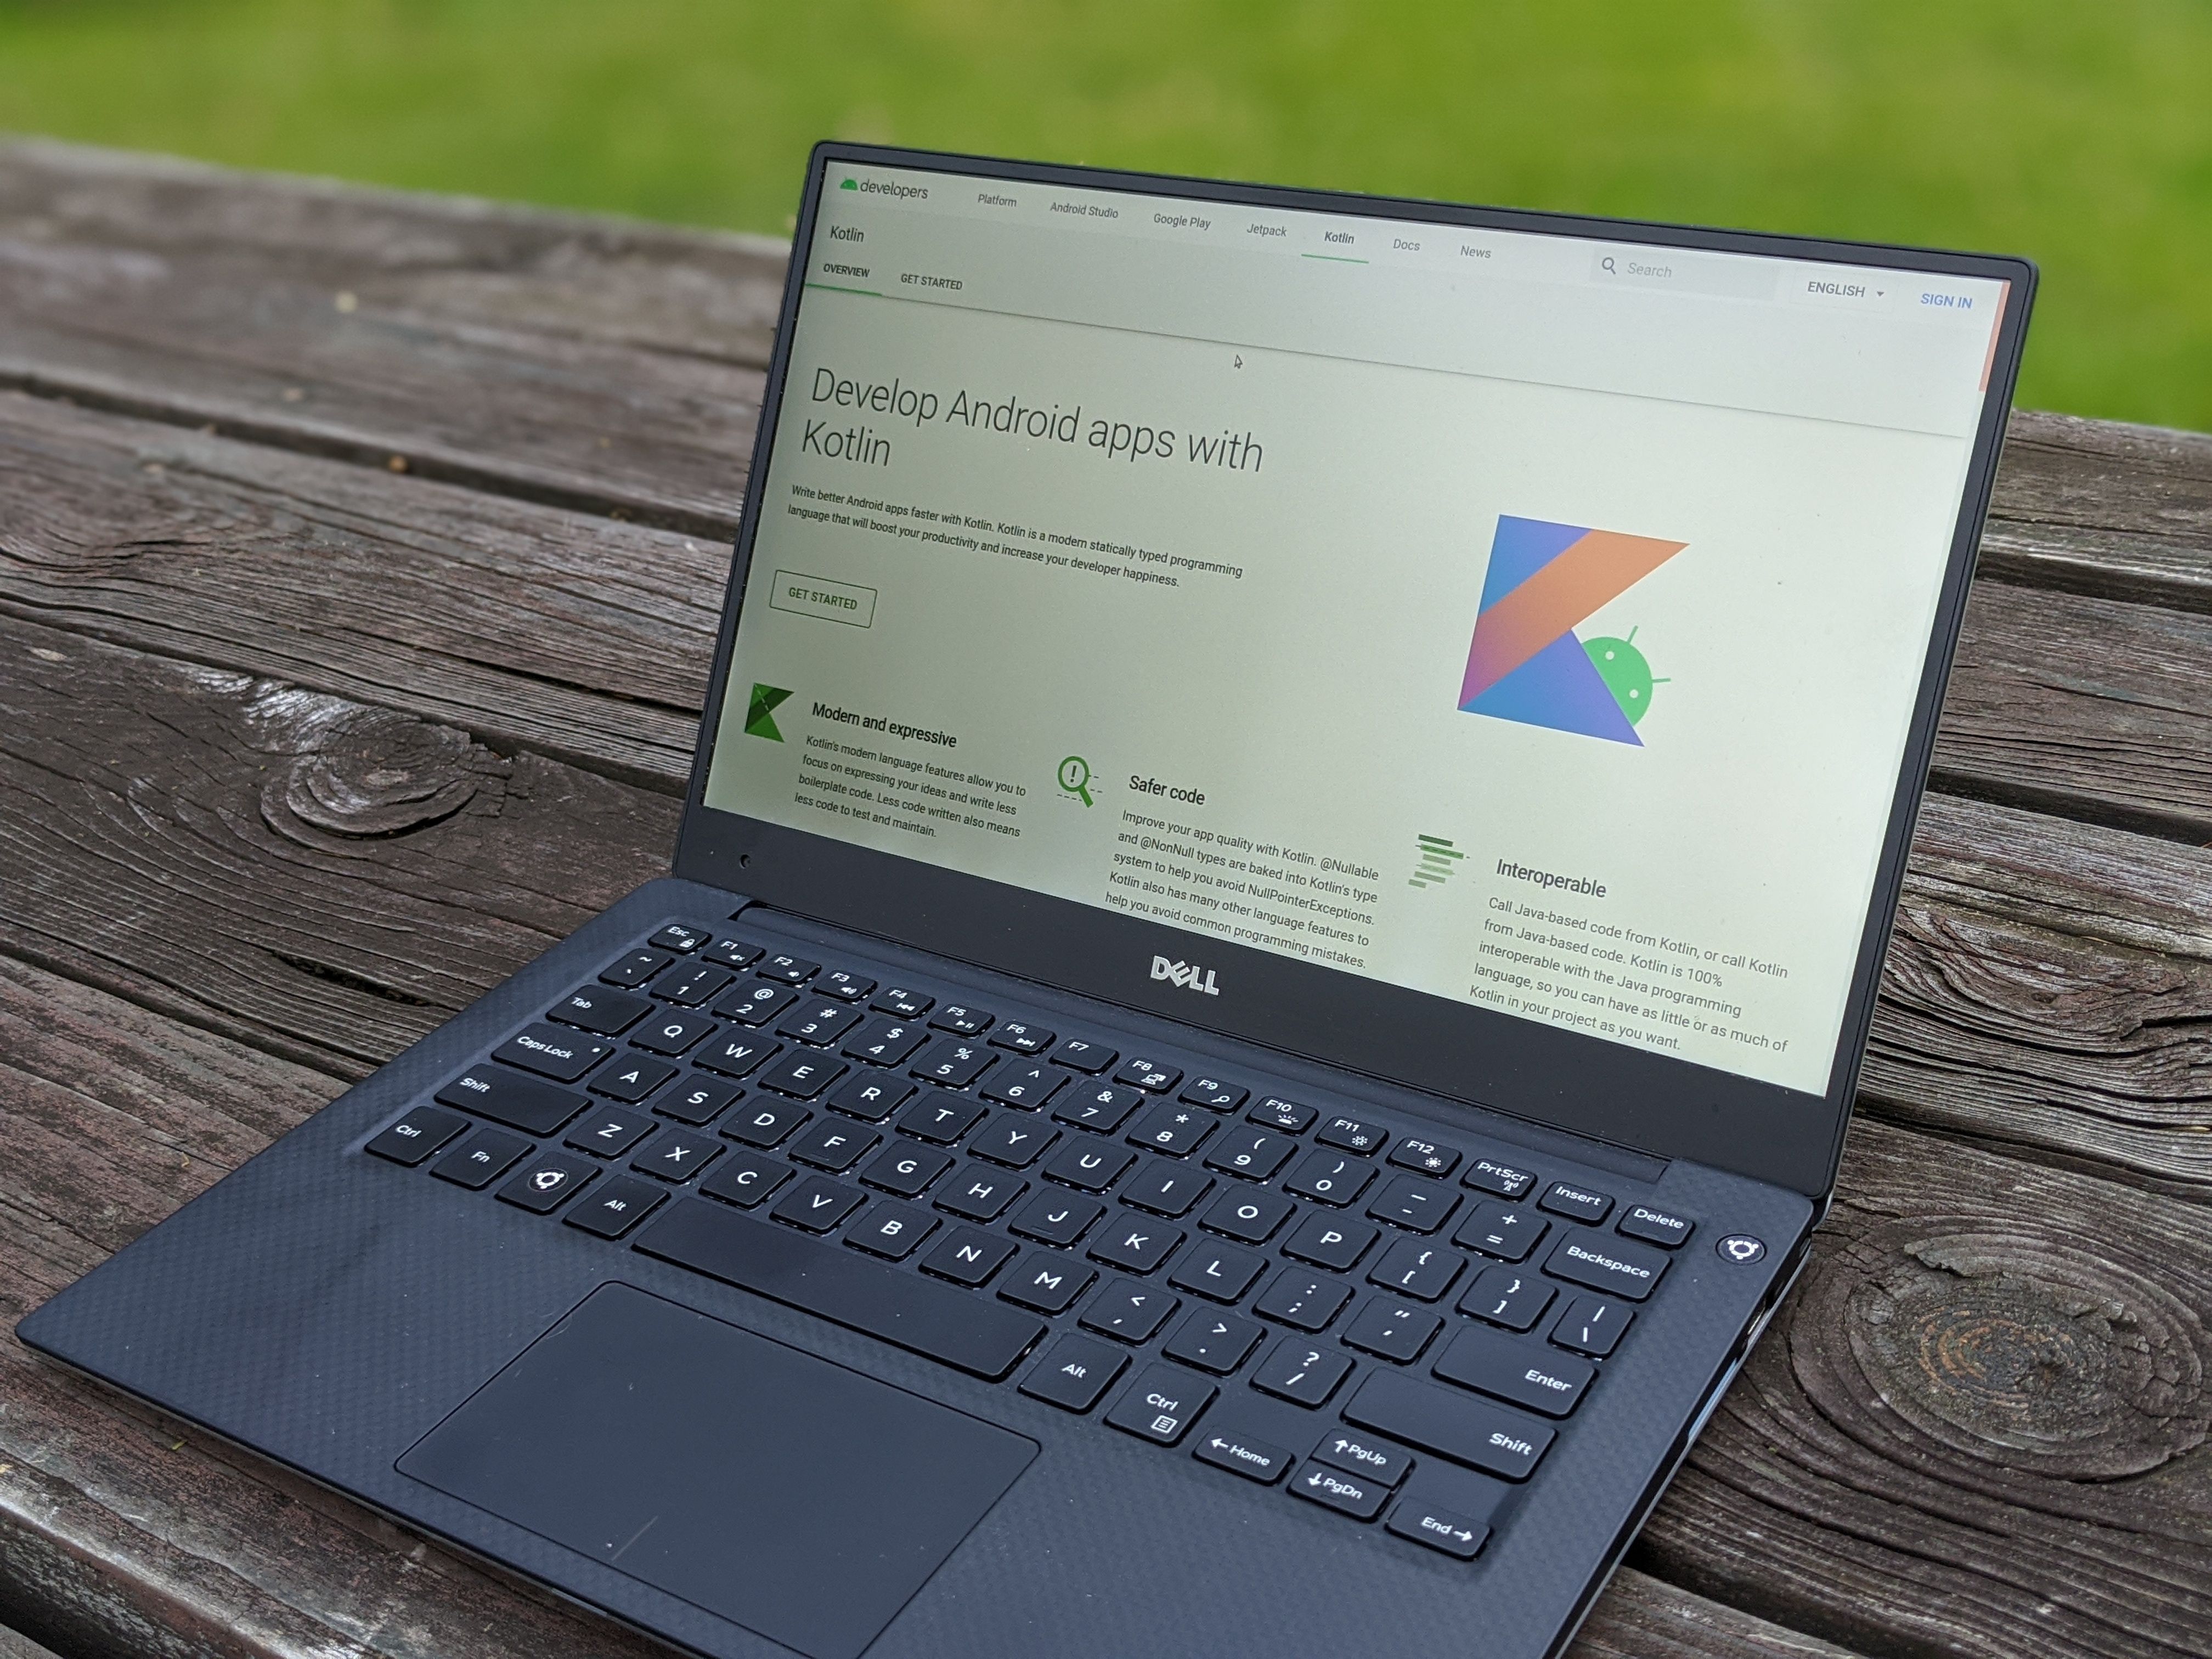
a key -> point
(886, 1041)
(676, 1155)
(670, 1033)
(939, 1118)
(1078, 1054)
(906, 1172)
(1165, 1187)
(1297, 1298)
(1053, 1218)
(745, 1179)
(1047, 1282)
(961, 1019)
(609, 1131)
(1101, 1106)
(1592, 1325)
(1330, 1240)
(1162, 1404)
(799, 1075)
(969, 1257)
(698, 1100)
(1303, 1372)
(1255, 1154)
(1022, 1037)
(594, 1008)
(831, 1145)
(1424, 1272)
(416, 1135)
(1136, 1243)
(1520, 1373)
(764, 1122)
(1508, 1231)
(1130, 1311)
(1213, 1094)
(1390, 1330)
(956, 1063)
(1330, 1177)
(519, 1101)
(545, 1181)
(1090, 1165)
(550, 1051)
(618, 1205)
(817, 1204)
(1016, 1142)
(1249, 1216)
(1178, 1131)
(1424, 1157)
(980, 1193)
(1416, 1205)
(679, 938)
(869, 1097)
(481, 1160)
(633, 970)
(1074, 1373)
(1152, 1076)
(1027, 1086)
(630, 1078)
(1511, 1297)
(1220, 1273)
(893, 1232)
(1216, 1342)
(738, 1055)
(1353, 1134)
(1288, 1115)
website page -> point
(1529, 621)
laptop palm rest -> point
(792, 1496)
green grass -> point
(2081, 135)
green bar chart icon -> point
(1437, 857)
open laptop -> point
(1299, 806)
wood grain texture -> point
(578, 361)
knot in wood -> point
(2018, 1349)
(372, 773)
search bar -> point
(1670, 270)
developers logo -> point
(1526, 664)
(760, 712)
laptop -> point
(1299, 806)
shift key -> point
(1451, 1424)
(522, 1103)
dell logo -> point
(1188, 976)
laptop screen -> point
(1533, 620)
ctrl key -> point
(416, 1135)
(1162, 1404)
(1074, 1373)
(1440, 1529)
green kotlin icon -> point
(1625, 673)
(760, 712)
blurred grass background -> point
(2081, 135)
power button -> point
(1741, 1248)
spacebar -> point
(941, 1323)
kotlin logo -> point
(1526, 664)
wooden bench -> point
(360, 556)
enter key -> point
(1523, 1373)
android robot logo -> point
(1625, 673)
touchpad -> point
(787, 1494)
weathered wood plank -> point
(585, 361)
(16, 1646)
(123, 1533)
(1980, 1427)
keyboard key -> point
(980, 1193)
(871, 1098)
(551, 1052)
(1354, 1495)
(906, 1172)
(818, 1204)
(1295, 1297)
(1178, 1131)
(698, 1100)
(1150, 1075)
(845, 987)
(832, 1146)
(607, 1013)
(1285, 1114)
(1421, 1271)
(1520, 1373)
(1390, 1330)
(818, 1022)
(676, 1155)
(1508, 1231)
(1221, 1273)
(1022, 1037)
(1256, 1459)
(1101, 1106)
(1165, 1187)
(1078, 1054)
(633, 970)
(756, 1002)
(1026, 1087)
(617, 1206)
(939, 1118)
(1251, 1217)
(1503, 1179)
(1255, 1154)
(1090, 1165)
(745, 1179)
(893, 1232)
(481, 1160)
(967, 1257)
(1213, 1094)
(732, 953)
(955, 1062)
(1131, 1312)
(630, 1078)
(1579, 1203)
(1439, 1529)
(961, 1020)
(762, 1121)
(1424, 1157)
(789, 970)
(1416, 1205)
(1056, 1219)
(894, 1000)
(1330, 1177)
(1356, 1454)
(1162, 1404)
(692, 985)
(799, 1075)
(1216, 1342)
(672, 1033)
(545, 1180)
(1614, 1265)
(1016, 1142)
(1330, 1240)
(982, 1338)
(1591, 1325)
(1074, 1373)
(1353, 1134)
(1136, 1243)
(736, 1054)
(886, 1041)
(1511, 1297)
(679, 938)
(1047, 1283)
(1659, 1227)
(1451, 1423)
(520, 1102)
(416, 1135)
(1298, 1371)
(609, 1131)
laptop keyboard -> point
(1099, 1225)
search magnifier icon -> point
(1075, 778)
(1605, 265)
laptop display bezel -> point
(1586, 1084)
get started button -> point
(817, 596)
